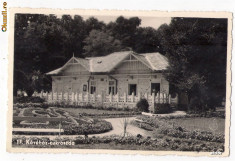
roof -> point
(106, 64)
(54, 72)
(157, 61)
(84, 63)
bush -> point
(182, 107)
(27, 99)
(143, 105)
(97, 127)
(30, 105)
(160, 108)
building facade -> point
(119, 72)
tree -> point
(35, 37)
(100, 43)
(146, 40)
(31, 82)
(124, 30)
(196, 50)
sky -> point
(154, 22)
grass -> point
(216, 125)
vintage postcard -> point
(119, 82)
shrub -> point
(160, 108)
(30, 105)
(99, 126)
(29, 100)
(182, 107)
(143, 105)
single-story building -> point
(122, 72)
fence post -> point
(111, 97)
(72, 97)
(158, 97)
(153, 102)
(132, 97)
(94, 96)
(124, 96)
(62, 96)
(117, 97)
(81, 97)
(41, 94)
(68, 96)
(139, 96)
(88, 97)
(146, 96)
(163, 98)
(52, 95)
(75, 97)
(101, 97)
(169, 99)
(47, 96)
(56, 96)
(153, 97)
(177, 99)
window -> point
(155, 88)
(132, 89)
(93, 87)
(84, 87)
(112, 88)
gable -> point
(131, 65)
(74, 69)
(72, 61)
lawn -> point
(216, 125)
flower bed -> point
(163, 126)
(89, 106)
(143, 125)
(16, 112)
(99, 126)
(34, 123)
(28, 99)
(25, 105)
(71, 125)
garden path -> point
(117, 124)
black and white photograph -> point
(120, 82)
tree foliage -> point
(196, 49)
(100, 43)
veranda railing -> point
(122, 100)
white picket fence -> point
(105, 100)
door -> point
(132, 89)
(155, 88)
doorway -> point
(155, 88)
(132, 89)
